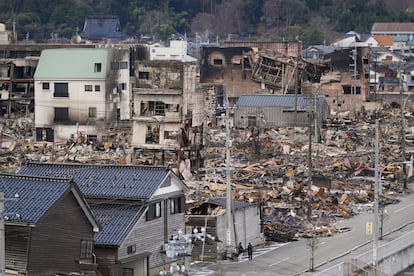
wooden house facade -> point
(138, 207)
(51, 217)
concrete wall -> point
(392, 258)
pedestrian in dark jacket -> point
(240, 251)
(250, 251)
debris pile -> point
(271, 169)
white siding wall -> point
(78, 101)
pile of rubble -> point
(18, 145)
(268, 167)
(272, 170)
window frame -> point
(88, 88)
(45, 85)
(92, 112)
(97, 68)
(177, 205)
(61, 90)
(154, 211)
(97, 88)
(86, 249)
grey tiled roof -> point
(287, 101)
(116, 220)
(105, 181)
(35, 196)
(101, 27)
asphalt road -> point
(294, 258)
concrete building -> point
(81, 91)
(164, 104)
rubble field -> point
(269, 167)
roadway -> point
(294, 258)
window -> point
(143, 75)
(122, 86)
(114, 65)
(119, 65)
(131, 249)
(170, 134)
(86, 249)
(251, 121)
(218, 62)
(45, 86)
(61, 114)
(98, 67)
(92, 112)
(123, 65)
(97, 88)
(154, 211)
(88, 88)
(61, 89)
(177, 205)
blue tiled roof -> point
(105, 181)
(101, 27)
(221, 201)
(116, 220)
(287, 101)
(35, 196)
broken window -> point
(348, 90)
(122, 86)
(92, 112)
(143, 75)
(98, 67)
(61, 114)
(45, 86)
(153, 108)
(61, 89)
(88, 88)
(153, 134)
(170, 134)
(217, 61)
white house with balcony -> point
(80, 91)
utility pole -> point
(376, 197)
(311, 115)
(402, 129)
(2, 237)
(229, 201)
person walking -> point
(250, 251)
(240, 251)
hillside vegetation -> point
(312, 21)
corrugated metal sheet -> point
(270, 111)
(393, 27)
(105, 181)
(287, 101)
